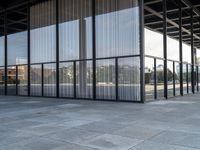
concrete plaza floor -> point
(58, 124)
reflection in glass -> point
(117, 28)
(160, 78)
(189, 78)
(66, 79)
(43, 32)
(36, 80)
(105, 79)
(75, 29)
(50, 80)
(84, 79)
(177, 78)
(170, 77)
(11, 80)
(2, 80)
(2, 50)
(149, 78)
(129, 79)
(17, 48)
(185, 78)
(22, 80)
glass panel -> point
(22, 80)
(17, 48)
(11, 85)
(66, 79)
(50, 80)
(170, 76)
(172, 37)
(75, 27)
(2, 50)
(160, 78)
(149, 78)
(43, 32)
(184, 79)
(117, 28)
(84, 79)
(36, 80)
(199, 77)
(189, 78)
(129, 78)
(177, 78)
(105, 79)
(2, 81)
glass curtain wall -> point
(17, 50)
(43, 48)
(2, 54)
(117, 34)
(172, 49)
(108, 48)
(75, 48)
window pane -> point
(2, 50)
(43, 32)
(75, 29)
(36, 80)
(66, 79)
(50, 80)
(17, 48)
(2, 80)
(149, 78)
(160, 78)
(117, 27)
(22, 80)
(129, 79)
(11, 83)
(106, 79)
(84, 80)
(170, 77)
(177, 78)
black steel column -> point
(6, 48)
(29, 50)
(165, 46)
(142, 56)
(180, 48)
(94, 46)
(192, 52)
(57, 50)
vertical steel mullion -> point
(5, 54)
(180, 47)
(74, 64)
(16, 80)
(155, 79)
(117, 78)
(142, 56)
(165, 46)
(57, 50)
(42, 72)
(94, 46)
(174, 81)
